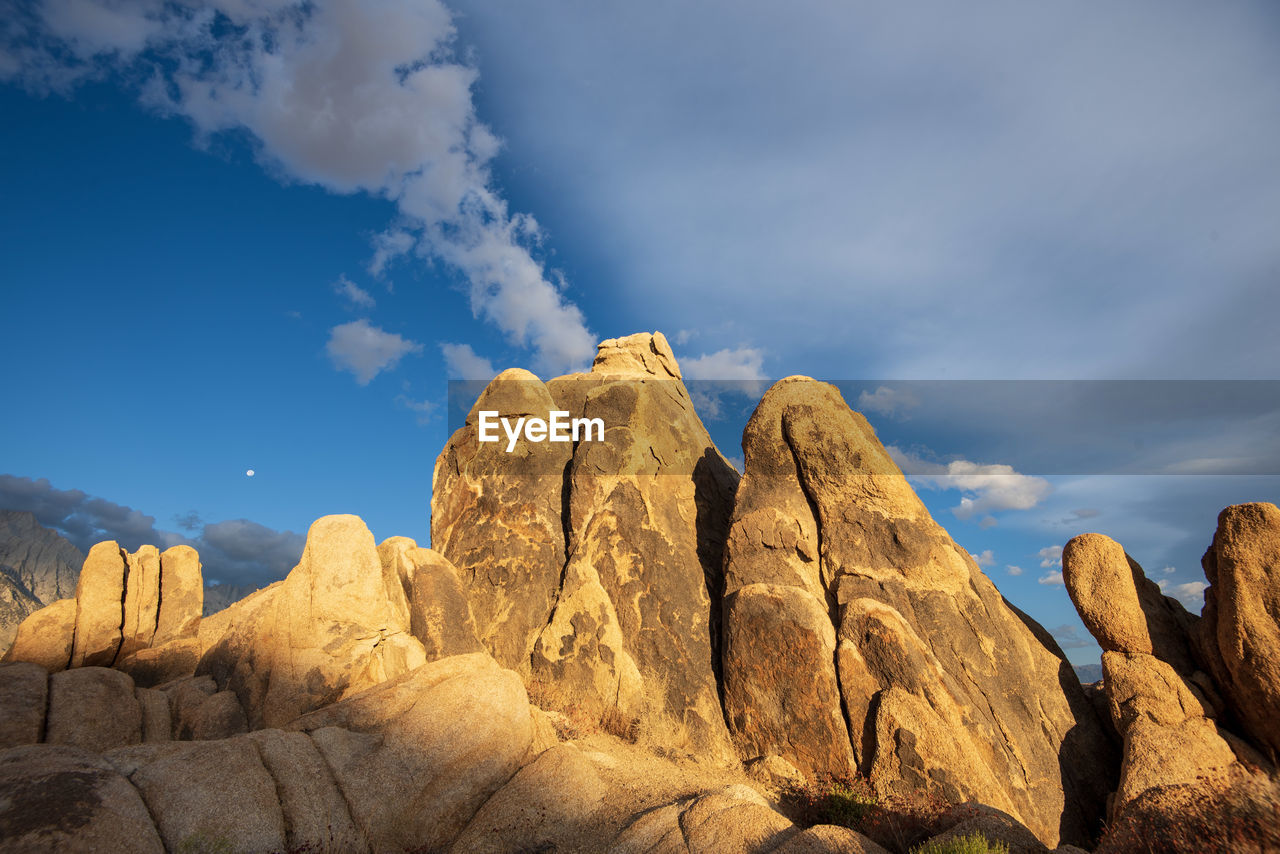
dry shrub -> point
(1241, 816)
(656, 728)
(895, 821)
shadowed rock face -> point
(944, 685)
(45, 562)
(596, 566)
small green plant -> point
(970, 843)
(202, 843)
(848, 803)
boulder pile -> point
(620, 643)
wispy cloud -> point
(1052, 579)
(366, 350)
(357, 296)
(351, 96)
(1050, 556)
(1013, 570)
(463, 363)
(985, 559)
(737, 371)
(887, 401)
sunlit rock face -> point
(1196, 699)
(337, 624)
(596, 566)
(944, 685)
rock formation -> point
(137, 612)
(858, 634)
(594, 566)
(809, 619)
(1238, 637)
(337, 624)
(1192, 697)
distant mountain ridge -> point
(38, 566)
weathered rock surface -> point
(417, 756)
(1174, 716)
(946, 687)
(439, 613)
(57, 798)
(93, 708)
(647, 507)
(37, 567)
(733, 819)
(45, 637)
(1239, 634)
(213, 795)
(336, 625)
(1123, 609)
(100, 596)
(546, 799)
(139, 613)
(595, 566)
(497, 517)
(24, 695)
(182, 596)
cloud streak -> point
(347, 95)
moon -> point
(249, 473)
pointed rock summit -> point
(594, 566)
(859, 635)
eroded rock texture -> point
(595, 566)
(339, 623)
(898, 657)
(1239, 635)
(138, 612)
(1191, 696)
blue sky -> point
(254, 235)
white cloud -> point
(732, 371)
(463, 363)
(424, 408)
(987, 558)
(987, 488)
(353, 293)
(1168, 570)
(366, 350)
(740, 365)
(1190, 594)
(1051, 579)
(387, 247)
(1014, 570)
(1050, 556)
(352, 96)
(887, 401)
